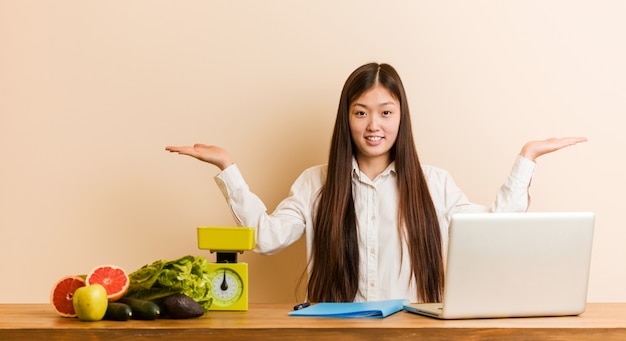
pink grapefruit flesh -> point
(113, 278)
(62, 294)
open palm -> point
(534, 149)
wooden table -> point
(601, 321)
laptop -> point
(514, 265)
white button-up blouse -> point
(384, 272)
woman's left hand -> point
(534, 149)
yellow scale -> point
(228, 279)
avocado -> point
(181, 306)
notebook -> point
(515, 265)
(374, 309)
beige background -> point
(92, 91)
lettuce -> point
(187, 275)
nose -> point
(372, 123)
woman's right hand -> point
(534, 149)
(212, 154)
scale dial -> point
(227, 286)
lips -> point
(373, 140)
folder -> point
(374, 309)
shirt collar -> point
(356, 172)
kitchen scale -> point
(228, 278)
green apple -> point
(90, 302)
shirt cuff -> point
(230, 180)
(523, 169)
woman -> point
(375, 218)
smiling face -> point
(374, 123)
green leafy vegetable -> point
(187, 275)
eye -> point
(360, 113)
(386, 113)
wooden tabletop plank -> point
(605, 321)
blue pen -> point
(301, 306)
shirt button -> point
(372, 284)
(373, 251)
(373, 217)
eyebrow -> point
(380, 105)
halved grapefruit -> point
(113, 278)
(62, 294)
